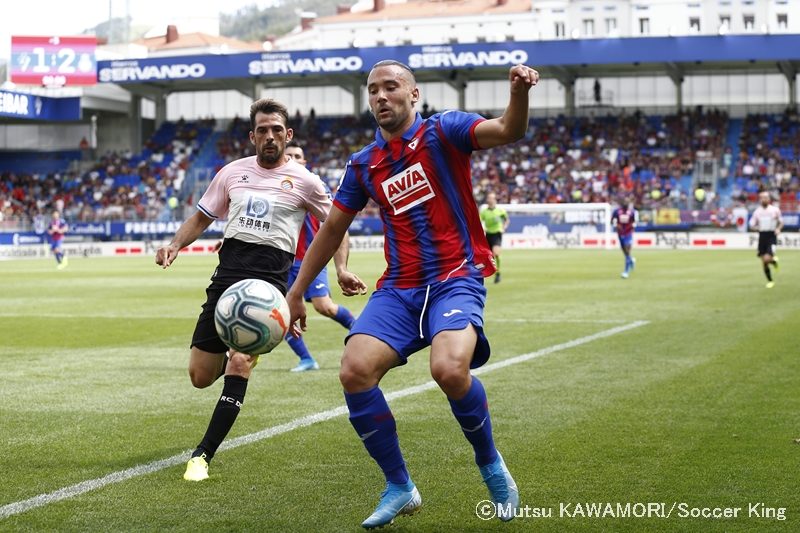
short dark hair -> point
(293, 144)
(268, 106)
(392, 62)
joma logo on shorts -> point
(408, 189)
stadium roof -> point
(564, 60)
(423, 9)
(174, 41)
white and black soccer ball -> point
(252, 317)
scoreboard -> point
(53, 61)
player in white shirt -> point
(768, 222)
(265, 198)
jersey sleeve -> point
(754, 220)
(350, 196)
(318, 202)
(214, 202)
(459, 128)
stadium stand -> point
(562, 159)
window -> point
(561, 31)
(611, 25)
(588, 27)
(783, 21)
(694, 24)
(749, 22)
(644, 26)
(725, 21)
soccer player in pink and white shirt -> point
(768, 221)
(432, 292)
(264, 198)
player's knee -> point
(451, 378)
(200, 377)
(356, 374)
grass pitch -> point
(692, 412)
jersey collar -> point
(407, 136)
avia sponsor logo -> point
(121, 71)
(284, 64)
(407, 189)
(445, 57)
(14, 104)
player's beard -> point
(270, 159)
(391, 121)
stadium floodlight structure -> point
(583, 218)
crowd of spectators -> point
(769, 158)
(649, 159)
(117, 186)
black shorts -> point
(495, 239)
(767, 240)
(239, 261)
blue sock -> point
(344, 317)
(59, 257)
(373, 421)
(299, 347)
(472, 413)
(628, 262)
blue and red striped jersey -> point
(309, 228)
(625, 220)
(422, 183)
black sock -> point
(225, 413)
(767, 273)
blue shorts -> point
(319, 287)
(393, 316)
(625, 240)
(55, 244)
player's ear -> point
(289, 134)
(415, 96)
(252, 137)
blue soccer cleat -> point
(395, 500)
(505, 494)
(305, 365)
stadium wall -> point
(659, 240)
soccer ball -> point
(252, 317)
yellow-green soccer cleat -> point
(196, 469)
(770, 284)
(775, 262)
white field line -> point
(83, 487)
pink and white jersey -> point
(765, 218)
(265, 206)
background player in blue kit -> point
(56, 229)
(318, 293)
(624, 219)
(432, 292)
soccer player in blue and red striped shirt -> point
(624, 219)
(432, 293)
(56, 229)
(318, 292)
